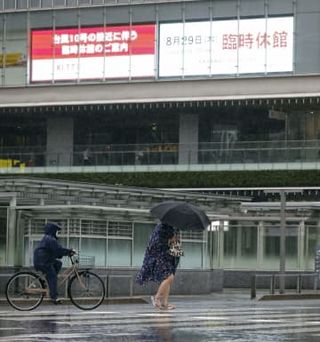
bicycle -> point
(26, 290)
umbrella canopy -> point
(182, 215)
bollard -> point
(253, 287)
(299, 283)
(272, 285)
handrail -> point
(161, 154)
(299, 277)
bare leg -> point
(163, 292)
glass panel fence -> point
(37, 156)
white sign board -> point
(263, 45)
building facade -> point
(181, 85)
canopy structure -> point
(39, 197)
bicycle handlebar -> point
(73, 261)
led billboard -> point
(263, 45)
(93, 53)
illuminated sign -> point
(93, 53)
(12, 59)
(226, 47)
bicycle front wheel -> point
(86, 290)
(25, 291)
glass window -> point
(292, 253)
(9, 4)
(27, 251)
(14, 58)
(83, 2)
(47, 3)
(119, 252)
(3, 239)
(240, 246)
(74, 243)
(271, 256)
(312, 241)
(94, 247)
(213, 248)
(34, 3)
(71, 3)
(58, 3)
(193, 255)
(22, 4)
(30, 244)
(142, 232)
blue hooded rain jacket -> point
(48, 249)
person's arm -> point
(165, 237)
(58, 250)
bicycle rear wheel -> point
(87, 291)
(25, 291)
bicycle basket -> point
(85, 261)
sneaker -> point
(56, 301)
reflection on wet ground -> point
(218, 317)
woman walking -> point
(159, 265)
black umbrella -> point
(182, 215)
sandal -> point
(156, 303)
(168, 307)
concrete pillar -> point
(188, 138)
(59, 141)
(11, 234)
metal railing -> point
(164, 154)
(275, 277)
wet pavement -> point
(230, 316)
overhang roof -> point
(44, 196)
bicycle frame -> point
(73, 269)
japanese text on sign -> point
(249, 40)
(95, 42)
(188, 40)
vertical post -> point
(272, 284)
(253, 286)
(220, 244)
(301, 243)
(260, 245)
(299, 283)
(11, 233)
(282, 241)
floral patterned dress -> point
(157, 263)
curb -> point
(112, 300)
(290, 296)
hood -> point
(51, 229)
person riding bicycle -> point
(46, 255)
